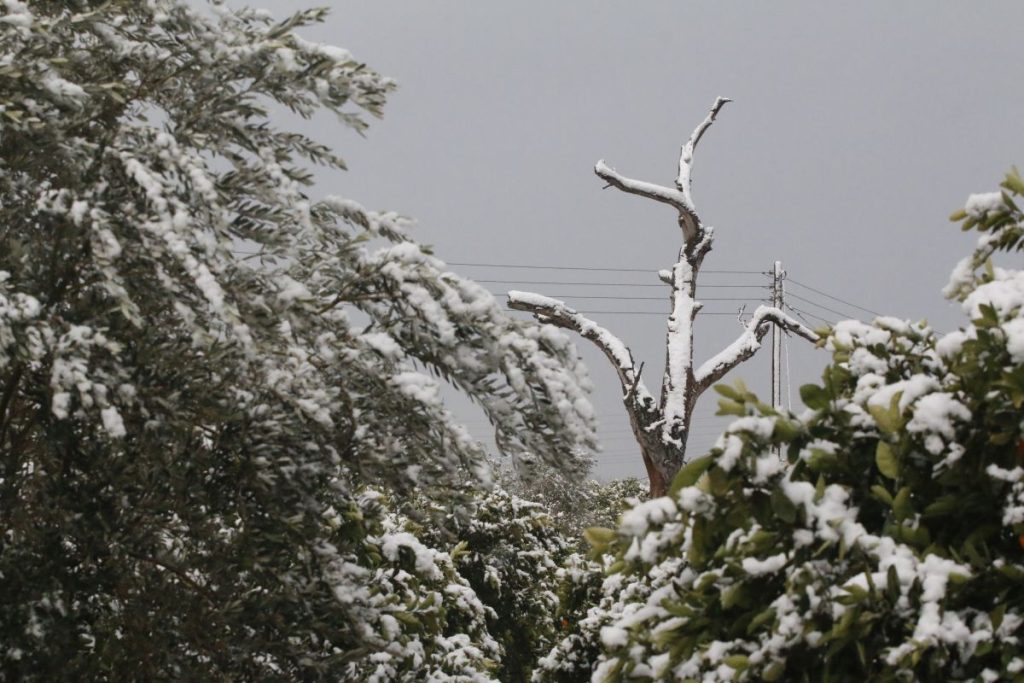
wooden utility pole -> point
(777, 337)
(777, 274)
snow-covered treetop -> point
(201, 363)
(148, 193)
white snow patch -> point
(980, 204)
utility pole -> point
(777, 275)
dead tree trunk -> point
(661, 427)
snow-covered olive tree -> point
(887, 546)
(201, 365)
(661, 426)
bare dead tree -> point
(661, 427)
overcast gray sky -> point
(856, 129)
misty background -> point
(856, 130)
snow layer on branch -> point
(978, 205)
(1005, 294)
(680, 352)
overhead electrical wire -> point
(801, 312)
(636, 298)
(659, 313)
(593, 268)
(822, 306)
(834, 298)
(611, 284)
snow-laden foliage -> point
(199, 364)
(510, 554)
(887, 543)
(419, 618)
(572, 504)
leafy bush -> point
(509, 553)
(573, 503)
(887, 543)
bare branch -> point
(688, 219)
(747, 344)
(683, 178)
(557, 313)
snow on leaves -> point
(200, 360)
(887, 544)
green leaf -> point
(822, 460)
(892, 584)
(882, 494)
(901, 506)
(690, 473)
(763, 617)
(773, 672)
(696, 554)
(785, 430)
(718, 482)
(599, 536)
(890, 420)
(408, 619)
(943, 506)
(729, 392)
(783, 507)
(734, 595)
(726, 407)
(1014, 182)
(886, 461)
(814, 397)
(738, 662)
(819, 489)
(997, 615)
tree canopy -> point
(202, 367)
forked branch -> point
(684, 177)
(747, 344)
(678, 197)
(659, 193)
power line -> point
(800, 314)
(591, 268)
(609, 284)
(658, 313)
(815, 303)
(637, 298)
(834, 298)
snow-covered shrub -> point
(573, 503)
(510, 554)
(583, 610)
(885, 545)
(200, 364)
(420, 618)
(582, 605)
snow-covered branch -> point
(683, 178)
(679, 198)
(747, 344)
(555, 312)
(688, 219)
